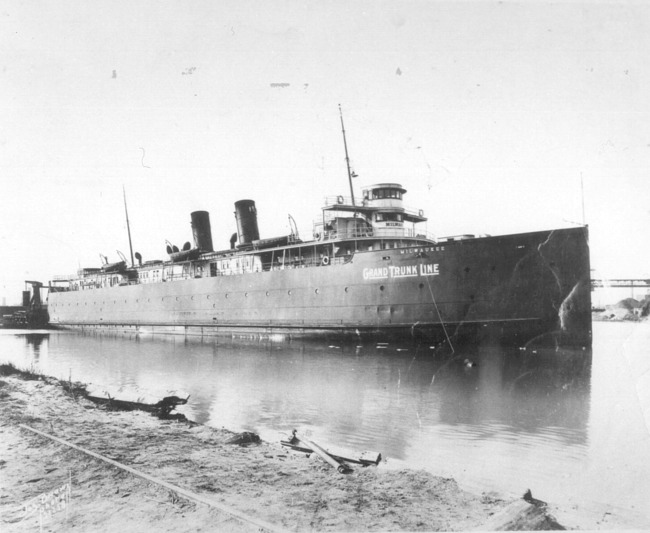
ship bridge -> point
(379, 213)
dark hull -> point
(513, 289)
(31, 319)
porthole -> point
(289, 293)
(347, 289)
(267, 293)
(208, 297)
(421, 285)
(245, 295)
(316, 291)
(227, 295)
(381, 287)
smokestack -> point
(201, 231)
(246, 215)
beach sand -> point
(263, 482)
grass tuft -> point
(9, 369)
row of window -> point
(393, 217)
(378, 194)
(226, 295)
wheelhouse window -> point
(389, 217)
(378, 194)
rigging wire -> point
(440, 317)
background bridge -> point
(609, 291)
(630, 283)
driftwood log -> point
(362, 458)
(338, 459)
(340, 466)
(161, 408)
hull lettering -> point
(408, 271)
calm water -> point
(570, 425)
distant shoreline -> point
(626, 310)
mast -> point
(582, 193)
(128, 227)
(347, 159)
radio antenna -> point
(347, 158)
(128, 227)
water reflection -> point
(386, 397)
(525, 390)
(490, 417)
(397, 399)
(34, 342)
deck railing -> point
(64, 277)
(346, 202)
(379, 233)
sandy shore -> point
(264, 481)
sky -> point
(497, 117)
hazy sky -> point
(489, 113)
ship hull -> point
(512, 289)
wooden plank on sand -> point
(366, 458)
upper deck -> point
(379, 213)
(379, 221)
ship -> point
(369, 270)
